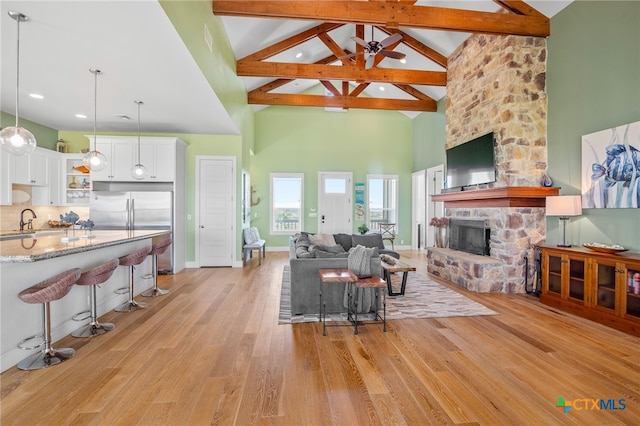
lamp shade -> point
(564, 205)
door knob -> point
(201, 226)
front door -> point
(335, 205)
(215, 197)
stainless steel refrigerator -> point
(135, 210)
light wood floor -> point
(212, 352)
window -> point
(286, 202)
(382, 200)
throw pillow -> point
(368, 240)
(322, 240)
(303, 253)
(344, 240)
(388, 259)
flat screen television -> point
(471, 163)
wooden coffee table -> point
(388, 269)
(332, 276)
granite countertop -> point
(34, 247)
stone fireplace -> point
(497, 84)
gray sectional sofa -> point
(306, 258)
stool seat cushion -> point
(135, 258)
(51, 289)
(99, 274)
(160, 246)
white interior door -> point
(215, 196)
(435, 177)
(335, 202)
(419, 210)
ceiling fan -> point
(372, 48)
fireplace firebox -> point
(471, 236)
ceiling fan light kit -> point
(15, 139)
(373, 47)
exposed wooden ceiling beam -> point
(389, 14)
(420, 47)
(290, 42)
(519, 7)
(344, 73)
(260, 98)
(330, 87)
(272, 85)
(334, 47)
(359, 89)
(413, 92)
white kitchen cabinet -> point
(31, 169)
(119, 155)
(158, 155)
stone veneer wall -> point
(497, 83)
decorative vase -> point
(442, 237)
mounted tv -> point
(471, 163)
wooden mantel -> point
(509, 196)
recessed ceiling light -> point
(403, 61)
(382, 88)
(36, 96)
(81, 116)
(298, 55)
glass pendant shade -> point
(17, 140)
(139, 171)
(94, 161)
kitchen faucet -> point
(29, 224)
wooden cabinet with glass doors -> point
(599, 286)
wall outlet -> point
(401, 241)
(188, 217)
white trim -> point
(288, 176)
(234, 171)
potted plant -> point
(363, 229)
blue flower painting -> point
(611, 168)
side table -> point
(332, 276)
(372, 282)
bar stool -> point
(94, 277)
(45, 292)
(157, 248)
(131, 260)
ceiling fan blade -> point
(390, 40)
(360, 41)
(392, 54)
(370, 61)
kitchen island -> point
(27, 261)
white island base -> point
(21, 320)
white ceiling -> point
(135, 46)
(143, 58)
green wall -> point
(593, 83)
(310, 140)
(429, 138)
(46, 137)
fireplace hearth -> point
(470, 236)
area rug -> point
(423, 298)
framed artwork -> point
(611, 168)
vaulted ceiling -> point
(300, 43)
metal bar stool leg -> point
(154, 291)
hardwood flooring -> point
(212, 352)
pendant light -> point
(139, 171)
(95, 160)
(15, 139)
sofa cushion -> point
(368, 240)
(322, 252)
(344, 240)
(322, 240)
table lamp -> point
(564, 206)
